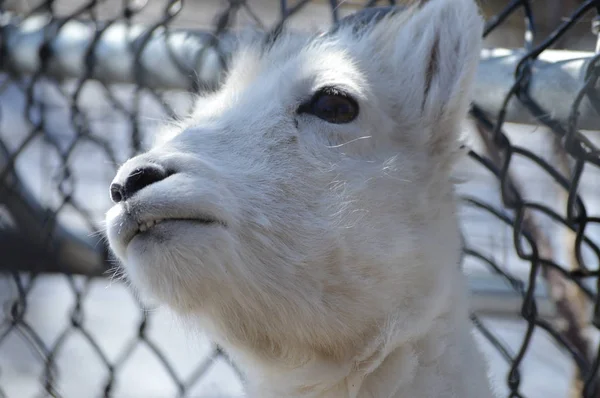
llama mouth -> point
(147, 226)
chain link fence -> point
(85, 83)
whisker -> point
(349, 142)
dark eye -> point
(331, 105)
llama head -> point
(306, 206)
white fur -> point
(337, 272)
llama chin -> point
(305, 211)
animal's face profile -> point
(307, 204)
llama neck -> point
(444, 362)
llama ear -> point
(430, 51)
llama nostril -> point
(116, 192)
(138, 179)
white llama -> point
(305, 212)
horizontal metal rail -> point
(180, 60)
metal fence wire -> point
(85, 82)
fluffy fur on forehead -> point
(281, 44)
(280, 41)
(345, 46)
